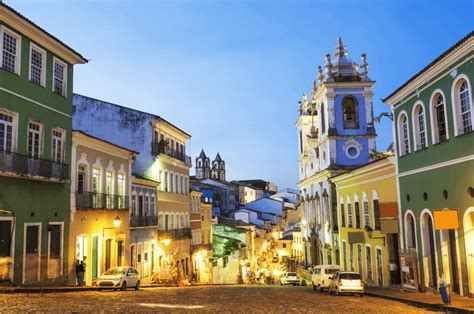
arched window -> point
(350, 113)
(462, 105)
(419, 126)
(439, 118)
(199, 163)
(323, 120)
(404, 142)
(465, 106)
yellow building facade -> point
(368, 222)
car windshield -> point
(291, 274)
(116, 271)
(329, 271)
(349, 276)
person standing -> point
(393, 272)
(82, 272)
(76, 270)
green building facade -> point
(36, 80)
(433, 123)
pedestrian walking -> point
(393, 272)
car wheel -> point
(361, 295)
(314, 287)
(137, 287)
(124, 286)
(281, 283)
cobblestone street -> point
(273, 299)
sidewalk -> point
(424, 300)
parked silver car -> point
(346, 282)
(119, 278)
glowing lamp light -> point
(204, 252)
(154, 242)
(117, 222)
(277, 272)
(167, 242)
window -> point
(147, 205)
(419, 127)
(366, 213)
(34, 135)
(465, 102)
(350, 113)
(58, 143)
(177, 184)
(403, 135)
(6, 132)
(119, 252)
(96, 188)
(109, 188)
(351, 256)
(121, 190)
(349, 214)
(10, 51)
(368, 262)
(357, 214)
(59, 77)
(37, 64)
(323, 120)
(160, 176)
(462, 105)
(152, 205)
(171, 182)
(166, 182)
(439, 119)
(376, 214)
(134, 205)
(81, 178)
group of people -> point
(80, 271)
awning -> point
(355, 237)
(445, 219)
(388, 210)
(389, 226)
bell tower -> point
(203, 168)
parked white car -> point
(290, 278)
(119, 278)
(322, 275)
(347, 282)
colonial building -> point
(36, 75)
(144, 227)
(204, 169)
(368, 221)
(248, 193)
(432, 122)
(99, 233)
(162, 158)
(335, 133)
(201, 247)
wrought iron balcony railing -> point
(161, 148)
(143, 221)
(24, 165)
(92, 200)
(174, 234)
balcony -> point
(92, 200)
(25, 166)
(174, 234)
(143, 221)
(161, 148)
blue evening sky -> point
(230, 73)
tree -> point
(230, 246)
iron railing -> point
(143, 221)
(174, 234)
(161, 148)
(24, 165)
(93, 200)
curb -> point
(430, 306)
(45, 289)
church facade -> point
(204, 169)
(335, 134)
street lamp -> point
(166, 242)
(117, 222)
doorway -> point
(429, 254)
(379, 267)
(453, 259)
(6, 250)
(31, 262)
(469, 238)
(95, 256)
